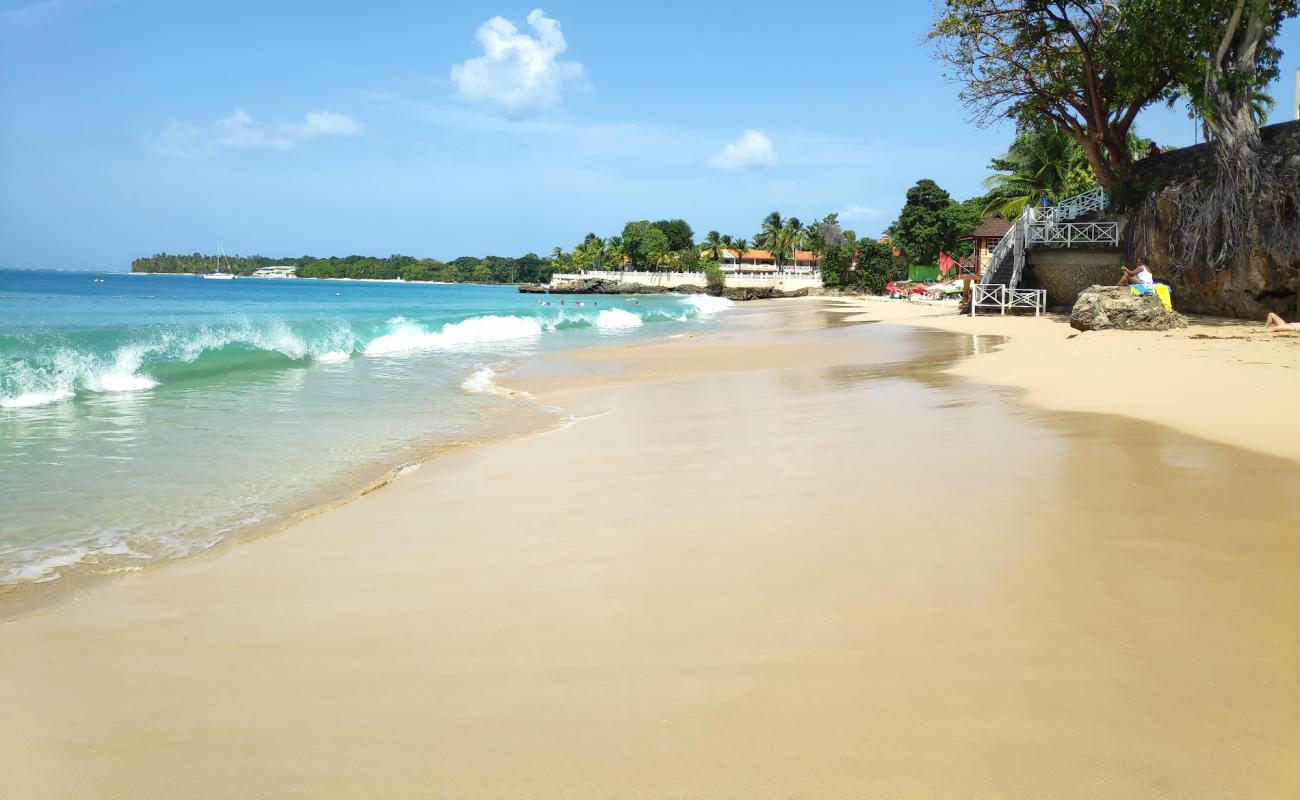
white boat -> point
(220, 274)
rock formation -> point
(1105, 307)
(1257, 281)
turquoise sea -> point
(148, 417)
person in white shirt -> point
(1138, 276)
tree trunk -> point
(1229, 82)
(1107, 177)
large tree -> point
(931, 221)
(679, 233)
(1087, 66)
(1248, 200)
(644, 243)
(1237, 59)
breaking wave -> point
(408, 336)
(708, 304)
(37, 373)
(617, 318)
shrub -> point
(714, 279)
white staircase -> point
(1054, 226)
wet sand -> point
(1219, 379)
(796, 559)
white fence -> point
(1002, 297)
(784, 280)
(1074, 234)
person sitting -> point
(1138, 276)
(1275, 324)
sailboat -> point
(220, 274)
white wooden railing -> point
(1049, 226)
(1074, 207)
(1073, 234)
(1004, 297)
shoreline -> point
(1014, 350)
(1218, 379)
(787, 591)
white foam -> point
(123, 376)
(47, 569)
(617, 319)
(409, 337)
(708, 304)
(31, 399)
(483, 381)
(333, 357)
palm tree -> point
(614, 250)
(1038, 165)
(739, 246)
(787, 239)
(712, 246)
(772, 227)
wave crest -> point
(407, 337)
(708, 304)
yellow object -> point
(1162, 292)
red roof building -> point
(986, 237)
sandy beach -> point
(840, 548)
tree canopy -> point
(530, 268)
(931, 221)
(680, 236)
(1086, 66)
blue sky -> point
(288, 127)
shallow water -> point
(147, 417)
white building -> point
(276, 271)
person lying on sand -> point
(1275, 324)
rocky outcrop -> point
(606, 286)
(761, 294)
(1116, 307)
(1256, 281)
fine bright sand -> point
(806, 556)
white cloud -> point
(518, 72)
(240, 131)
(855, 211)
(752, 149)
(327, 123)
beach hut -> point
(986, 237)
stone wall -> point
(1255, 283)
(1065, 272)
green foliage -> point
(714, 278)
(1085, 66)
(711, 248)
(645, 244)
(931, 221)
(1043, 163)
(679, 234)
(876, 266)
(492, 269)
(836, 248)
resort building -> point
(804, 261)
(276, 271)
